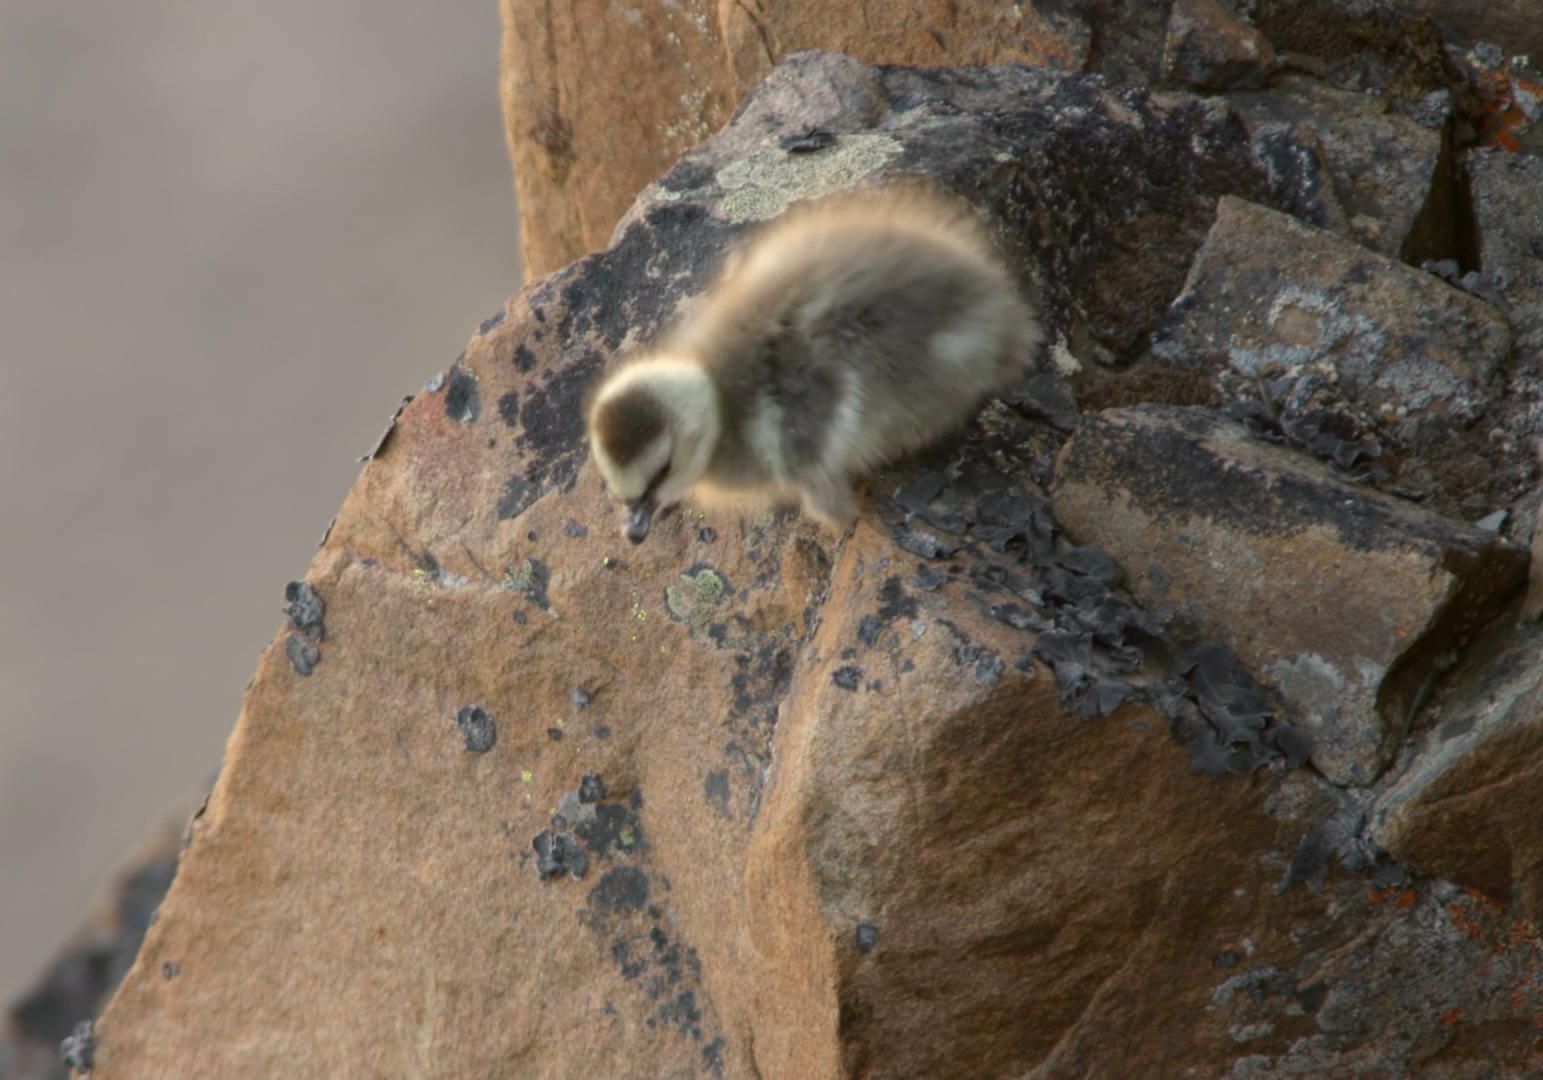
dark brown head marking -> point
(627, 423)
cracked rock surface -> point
(962, 792)
(1343, 597)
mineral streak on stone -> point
(1345, 599)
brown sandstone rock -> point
(1268, 294)
(1507, 191)
(1344, 598)
(1390, 185)
(1210, 49)
(746, 801)
(1469, 805)
(601, 97)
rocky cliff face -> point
(601, 97)
(1175, 720)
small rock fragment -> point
(1209, 48)
(78, 1050)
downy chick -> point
(846, 333)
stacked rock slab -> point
(744, 800)
(1345, 598)
(1467, 804)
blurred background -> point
(232, 235)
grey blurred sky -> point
(231, 236)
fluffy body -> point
(846, 333)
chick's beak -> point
(640, 516)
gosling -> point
(847, 333)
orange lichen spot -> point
(1463, 919)
(1451, 1017)
(1405, 899)
(1502, 120)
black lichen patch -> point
(867, 937)
(78, 1050)
(868, 628)
(894, 603)
(552, 424)
(848, 677)
(1228, 720)
(666, 972)
(477, 727)
(620, 890)
(509, 408)
(491, 323)
(580, 698)
(302, 653)
(524, 359)
(170, 970)
(305, 609)
(682, 1012)
(613, 830)
(760, 682)
(591, 788)
(1341, 838)
(576, 530)
(716, 788)
(530, 579)
(463, 400)
(712, 1056)
(929, 578)
(671, 250)
(1096, 641)
(555, 734)
(707, 534)
(517, 497)
(559, 853)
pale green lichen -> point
(693, 598)
(520, 580)
(766, 183)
